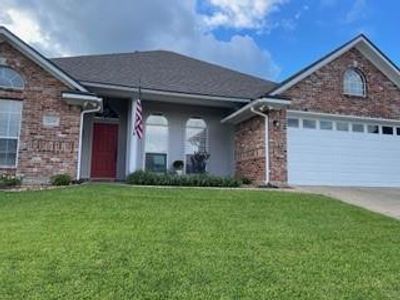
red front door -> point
(104, 151)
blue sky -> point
(267, 38)
(307, 30)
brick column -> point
(278, 147)
(250, 149)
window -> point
(310, 124)
(326, 125)
(342, 126)
(10, 122)
(196, 146)
(373, 129)
(398, 130)
(387, 130)
(10, 79)
(354, 83)
(294, 123)
(156, 144)
(358, 128)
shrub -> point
(246, 180)
(61, 179)
(203, 180)
(9, 181)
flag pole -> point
(140, 88)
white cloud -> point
(74, 27)
(246, 14)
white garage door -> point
(323, 151)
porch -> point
(173, 131)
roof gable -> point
(361, 43)
(25, 49)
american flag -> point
(139, 119)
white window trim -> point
(361, 121)
(144, 141)
(15, 166)
(185, 138)
(359, 73)
(16, 74)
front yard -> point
(116, 242)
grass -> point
(116, 242)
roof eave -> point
(81, 99)
(135, 90)
(263, 104)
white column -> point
(132, 143)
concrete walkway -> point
(381, 200)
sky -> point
(271, 39)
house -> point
(337, 122)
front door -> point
(104, 151)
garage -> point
(343, 151)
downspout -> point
(83, 113)
(266, 118)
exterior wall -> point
(320, 92)
(278, 147)
(323, 90)
(121, 107)
(43, 151)
(220, 136)
(250, 148)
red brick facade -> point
(277, 147)
(322, 91)
(43, 151)
(250, 148)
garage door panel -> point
(331, 157)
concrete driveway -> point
(381, 200)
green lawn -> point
(116, 242)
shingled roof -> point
(166, 71)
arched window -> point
(354, 83)
(156, 144)
(196, 145)
(10, 79)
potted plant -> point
(199, 162)
(178, 166)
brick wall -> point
(250, 148)
(43, 151)
(278, 147)
(322, 91)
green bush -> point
(204, 180)
(9, 181)
(61, 179)
(246, 180)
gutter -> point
(259, 107)
(163, 93)
(269, 102)
(266, 118)
(83, 113)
